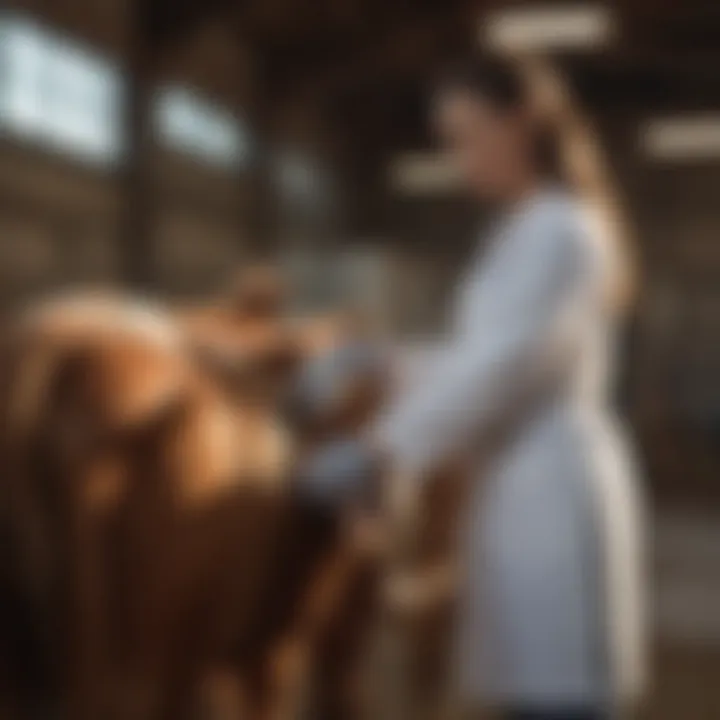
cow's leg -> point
(260, 696)
(276, 689)
(341, 650)
(221, 695)
(90, 507)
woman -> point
(550, 624)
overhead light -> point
(682, 138)
(577, 27)
(423, 174)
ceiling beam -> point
(168, 22)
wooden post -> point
(257, 201)
(138, 268)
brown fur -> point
(160, 564)
(155, 538)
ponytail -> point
(565, 144)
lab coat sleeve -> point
(521, 327)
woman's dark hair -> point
(494, 77)
(564, 143)
(505, 83)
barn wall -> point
(677, 354)
(59, 220)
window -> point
(187, 122)
(57, 93)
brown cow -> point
(153, 527)
(156, 547)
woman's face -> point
(488, 145)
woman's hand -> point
(340, 472)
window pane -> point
(22, 50)
(81, 98)
(56, 92)
(187, 122)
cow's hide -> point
(155, 542)
(159, 562)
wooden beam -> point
(257, 202)
(137, 221)
(169, 22)
(647, 82)
(334, 57)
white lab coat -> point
(551, 593)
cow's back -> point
(145, 536)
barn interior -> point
(160, 145)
